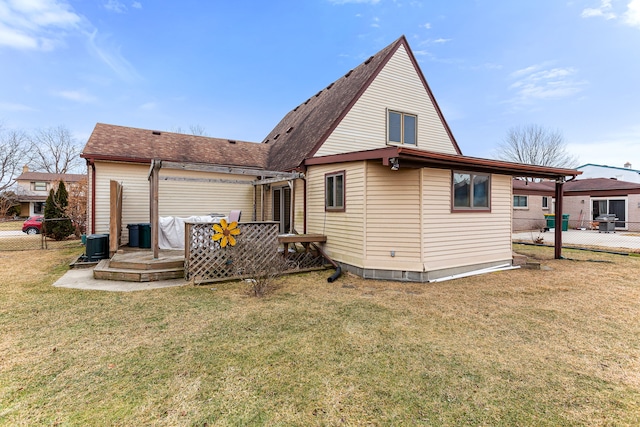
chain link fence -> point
(611, 235)
(12, 238)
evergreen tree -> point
(59, 227)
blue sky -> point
(235, 68)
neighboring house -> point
(382, 177)
(584, 200)
(32, 188)
(601, 171)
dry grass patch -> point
(522, 347)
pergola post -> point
(558, 219)
(153, 205)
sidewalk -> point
(617, 240)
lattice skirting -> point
(255, 253)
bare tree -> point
(77, 205)
(54, 150)
(196, 130)
(536, 145)
(13, 155)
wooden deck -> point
(134, 265)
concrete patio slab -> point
(83, 279)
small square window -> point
(520, 202)
(402, 128)
(471, 191)
(335, 191)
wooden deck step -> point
(105, 270)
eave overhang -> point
(414, 158)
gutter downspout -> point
(335, 265)
(92, 164)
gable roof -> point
(50, 177)
(120, 143)
(305, 128)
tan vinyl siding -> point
(176, 198)
(457, 239)
(397, 87)
(393, 218)
(344, 230)
(135, 194)
(187, 198)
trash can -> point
(134, 235)
(551, 221)
(97, 247)
(145, 235)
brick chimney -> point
(25, 169)
(627, 165)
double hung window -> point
(334, 191)
(402, 128)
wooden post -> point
(115, 217)
(558, 220)
(153, 205)
(292, 207)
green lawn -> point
(558, 346)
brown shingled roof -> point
(120, 143)
(578, 185)
(52, 177)
(303, 130)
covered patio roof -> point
(406, 157)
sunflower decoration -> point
(225, 232)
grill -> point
(607, 223)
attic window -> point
(231, 141)
(349, 73)
(156, 132)
(368, 60)
(290, 129)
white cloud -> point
(136, 5)
(112, 57)
(36, 24)
(426, 26)
(539, 82)
(376, 22)
(441, 40)
(115, 6)
(76, 96)
(632, 15)
(604, 10)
